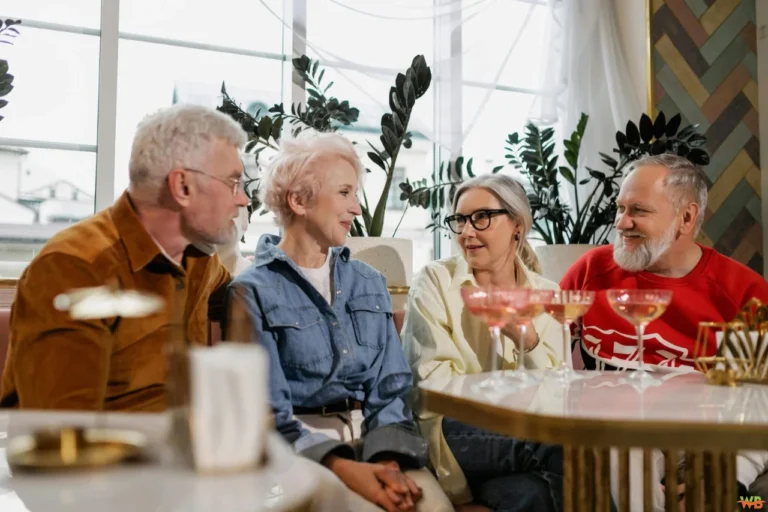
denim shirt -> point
(321, 354)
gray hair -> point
(514, 200)
(686, 181)
(179, 136)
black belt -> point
(331, 409)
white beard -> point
(644, 255)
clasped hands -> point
(382, 483)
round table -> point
(601, 420)
(286, 483)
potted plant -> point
(7, 32)
(324, 112)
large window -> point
(65, 140)
(48, 136)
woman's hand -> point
(413, 489)
(380, 484)
(512, 331)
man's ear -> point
(690, 216)
(179, 186)
(297, 203)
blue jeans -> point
(507, 474)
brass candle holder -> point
(742, 355)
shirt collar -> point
(142, 248)
(139, 245)
(462, 275)
(267, 251)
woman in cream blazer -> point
(491, 220)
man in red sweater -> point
(661, 208)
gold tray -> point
(74, 448)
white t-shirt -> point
(320, 277)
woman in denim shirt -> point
(338, 375)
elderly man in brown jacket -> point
(185, 190)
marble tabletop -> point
(156, 485)
(605, 403)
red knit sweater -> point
(715, 290)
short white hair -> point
(686, 181)
(179, 136)
(292, 170)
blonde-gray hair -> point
(686, 181)
(514, 200)
(179, 136)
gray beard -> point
(646, 254)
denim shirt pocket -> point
(370, 316)
(301, 341)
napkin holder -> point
(188, 417)
(742, 354)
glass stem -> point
(521, 349)
(496, 345)
(640, 361)
(567, 356)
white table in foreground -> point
(600, 421)
(287, 483)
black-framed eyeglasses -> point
(480, 220)
(235, 183)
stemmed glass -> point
(566, 307)
(522, 319)
(640, 307)
(496, 307)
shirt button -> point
(297, 323)
(344, 351)
(377, 307)
(338, 292)
(333, 323)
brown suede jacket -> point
(117, 364)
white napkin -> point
(228, 406)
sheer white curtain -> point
(596, 77)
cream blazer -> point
(441, 339)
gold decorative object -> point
(398, 290)
(74, 448)
(742, 355)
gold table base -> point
(709, 478)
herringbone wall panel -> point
(705, 68)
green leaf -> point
(646, 128)
(377, 160)
(392, 140)
(248, 147)
(320, 78)
(497, 169)
(568, 175)
(265, 127)
(314, 68)
(314, 93)
(673, 125)
(459, 166)
(633, 134)
(277, 128)
(469, 169)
